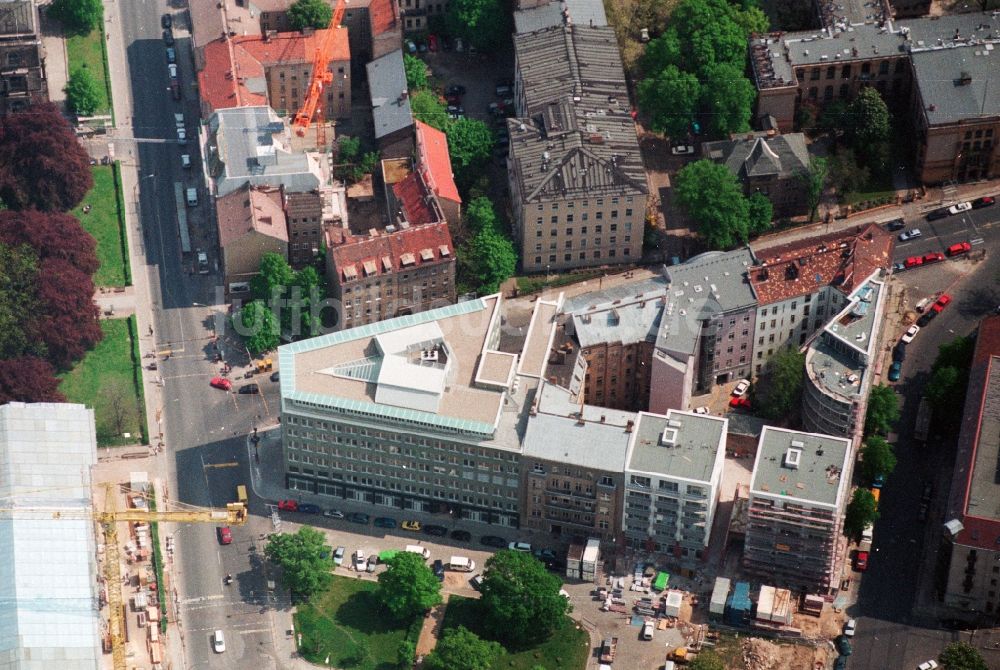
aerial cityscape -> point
(499, 334)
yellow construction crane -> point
(234, 514)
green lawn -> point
(87, 51)
(347, 625)
(568, 648)
(103, 222)
(103, 380)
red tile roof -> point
(842, 259)
(356, 257)
(247, 210)
(293, 47)
(383, 15)
(433, 158)
(413, 198)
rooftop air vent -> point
(669, 437)
(792, 458)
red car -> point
(225, 535)
(985, 201)
(432, 42)
(288, 505)
(740, 402)
(861, 561)
(221, 383)
(933, 257)
(941, 303)
(913, 261)
(959, 249)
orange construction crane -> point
(321, 76)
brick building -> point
(390, 101)
(251, 223)
(22, 57)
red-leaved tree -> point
(28, 379)
(42, 165)
(68, 318)
(52, 235)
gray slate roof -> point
(389, 98)
(759, 155)
(582, 12)
(948, 97)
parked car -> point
(913, 261)
(432, 43)
(647, 630)
(910, 333)
(741, 387)
(520, 546)
(309, 508)
(175, 90)
(338, 556)
(895, 224)
(454, 89)
(249, 389)
(333, 514)
(700, 410)
(937, 214)
(910, 235)
(941, 303)
(928, 665)
(960, 207)
(168, 37)
(959, 249)
(411, 525)
(682, 150)
(926, 318)
(895, 371)
(288, 505)
(360, 561)
(899, 352)
(898, 267)
(461, 535)
(438, 568)
(275, 376)
(850, 627)
(221, 383)
(218, 642)
(357, 517)
(503, 90)
(493, 541)
(985, 201)
(545, 554)
(739, 402)
(476, 582)
(933, 257)
(385, 522)
(172, 70)
(171, 55)
(436, 531)
(861, 561)
(166, 21)
(225, 535)
(844, 646)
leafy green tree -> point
(82, 93)
(304, 558)
(470, 144)
(479, 214)
(883, 410)
(352, 165)
(406, 652)
(956, 354)
(846, 174)
(877, 458)
(408, 586)
(461, 649)
(814, 180)
(707, 660)
(727, 97)
(258, 326)
(712, 196)
(869, 120)
(670, 98)
(310, 14)
(946, 392)
(489, 260)
(779, 390)
(78, 17)
(834, 118)
(416, 72)
(484, 24)
(861, 511)
(761, 213)
(520, 598)
(18, 301)
(306, 291)
(427, 107)
(962, 656)
(273, 279)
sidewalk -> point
(56, 65)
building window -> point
(883, 67)
(845, 72)
(831, 72)
(814, 73)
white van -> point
(185, 161)
(647, 630)
(868, 533)
(417, 549)
(192, 197)
(461, 564)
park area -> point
(100, 215)
(105, 381)
(87, 52)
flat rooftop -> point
(984, 488)
(815, 478)
(601, 446)
(682, 445)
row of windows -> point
(845, 70)
(599, 228)
(582, 244)
(568, 258)
(586, 203)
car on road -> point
(438, 568)
(682, 150)
(910, 235)
(454, 89)
(461, 535)
(415, 526)
(436, 531)
(493, 541)
(309, 508)
(432, 43)
(910, 333)
(385, 522)
(843, 646)
(739, 402)
(895, 224)
(249, 389)
(476, 582)
(166, 21)
(895, 371)
(928, 665)
(175, 90)
(275, 376)
(741, 387)
(861, 561)
(333, 514)
(288, 505)
(941, 303)
(960, 207)
(225, 535)
(221, 383)
(899, 352)
(338, 555)
(935, 214)
(172, 70)
(360, 561)
(171, 55)
(520, 546)
(218, 642)
(850, 627)
(357, 517)
(933, 257)
(913, 261)
(545, 555)
(985, 201)
(959, 248)
(168, 37)
(898, 267)
(926, 318)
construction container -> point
(672, 603)
(765, 603)
(781, 609)
(661, 581)
(574, 557)
(738, 605)
(720, 592)
(591, 559)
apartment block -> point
(416, 13)
(972, 517)
(390, 101)
(672, 477)
(251, 223)
(798, 493)
(433, 161)
(304, 213)
(22, 57)
(577, 182)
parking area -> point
(478, 73)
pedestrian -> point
(151, 331)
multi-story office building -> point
(577, 182)
(798, 493)
(22, 57)
(672, 477)
(972, 516)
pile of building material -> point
(759, 654)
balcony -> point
(566, 492)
